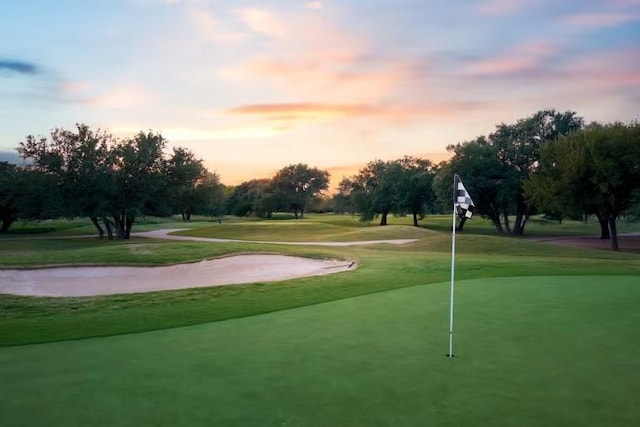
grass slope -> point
(532, 351)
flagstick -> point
(453, 266)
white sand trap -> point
(89, 281)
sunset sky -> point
(253, 86)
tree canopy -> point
(547, 162)
(596, 171)
(118, 180)
(497, 165)
(397, 187)
(295, 186)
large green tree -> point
(596, 170)
(376, 191)
(416, 187)
(140, 185)
(388, 187)
(117, 180)
(295, 186)
(486, 178)
(183, 171)
(78, 161)
(255, 197)
(518, 148)
(494, 168)
(209, 196)
(26, 194)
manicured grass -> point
(531, 351)
(382, 267)
(535, 227)
(305, 231)
(137, 251)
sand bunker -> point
(89, 281)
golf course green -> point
(544, 336)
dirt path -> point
(165, 234)
(628, 242)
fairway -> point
(547, 350)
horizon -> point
(251, 87)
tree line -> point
(87, 173)
(548, 163)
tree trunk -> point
(613, 233)
(383, 219)
(94, 220)
(415, 218)
(505, 215)
(517, 224)
(6, 223)
(118, 220)
(493, 213)
(128, 226)
(496, 223)
(604, 227)
(524, 213)
(461, 223)
(109, 226)
(521, 209)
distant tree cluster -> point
(381, 188)
(294, 188)
(81, 172)
(548, 163)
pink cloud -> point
(612, 69)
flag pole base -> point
(449, 355)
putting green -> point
(531, 351)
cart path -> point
(165, 234)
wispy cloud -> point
(600, 19)
(314, 5)
(181, 133)
(119, 98)
(225, 133)
(519, 58)
(503, 7)
(289, 111)
(209, 28)
(19, 67)
(388, 112)
(262, 21)
(74, 88)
